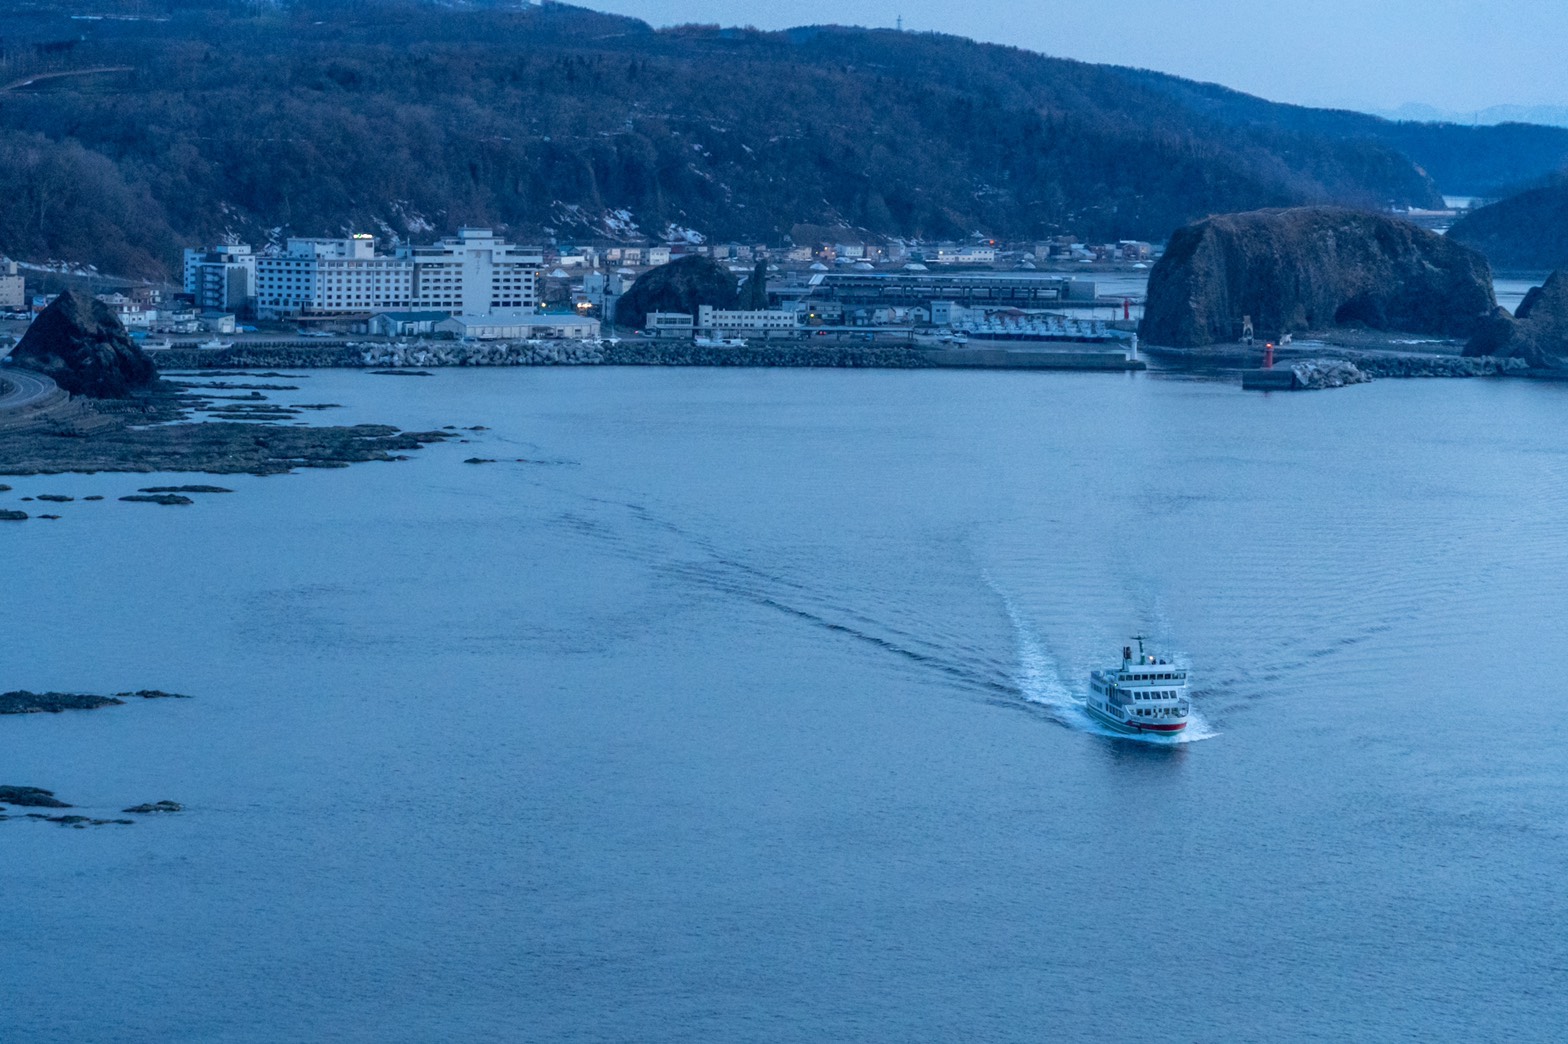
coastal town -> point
(698, 521)
(477, 285)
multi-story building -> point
(221, 278)
(472, 274)
(13, 296)
(712, 320)
(330, 276)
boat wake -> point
(1040, 683)
(697, 562)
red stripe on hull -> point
(1159, 728)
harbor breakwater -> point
(420, 355)
(1370, 363)
(535, 353)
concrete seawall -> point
(630, 353)
(536, 353)
(1031, 359)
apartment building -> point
(221, 278)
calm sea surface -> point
(744, 711)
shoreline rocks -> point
(152, 433)
(1536, 333)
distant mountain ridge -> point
(1542, 115)
(408, 118)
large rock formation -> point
(1536, 333)
(1312, 268)
(80, 342)
(679, 286)
(1526, 232)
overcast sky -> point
(1459, 55)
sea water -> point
(744, 706)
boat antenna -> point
(1139, 639)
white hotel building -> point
(330, 276)
(472, 274)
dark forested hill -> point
(160, 124)
(1462, 160)
(1526, 232)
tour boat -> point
(1144, 695)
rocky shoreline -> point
(153, 432)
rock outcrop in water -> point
(1312, 268)
(152, 807)
(81, 344)
(1537, 332)
(680, 286)
(30, 797)
(23, 702)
